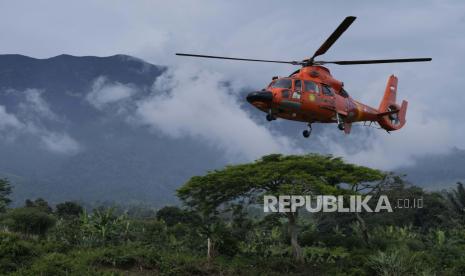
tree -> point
(5, 191)
(68, 209)
(103, 227)
(457, 200)
(173, 215)
(39, 204)
(433, 213)
(275, 174)
(29, 221)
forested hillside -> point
(66, 133)
(221, 229)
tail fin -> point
(391, 115)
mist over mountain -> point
(120, 129)
(438, 171)
(64, 132)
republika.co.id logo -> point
(330, 203)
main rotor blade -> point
(374, 61)
(334, 36)
(243, 59)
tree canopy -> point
(274, 174)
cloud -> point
(33, 112)
(155, 31)
(428, 130)
(8, 120)
(104, 93)
(196, 103)
(60, 143)
(35, 106)
(389, 151)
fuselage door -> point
(342, 104)
(311, 91)
(294, 102)
(327, 98)
(297, 91)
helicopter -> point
(312, 95)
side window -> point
(297, 89)
(311, 86)
(327, 90)
(298, 85)
(296, 95)
(285, 94)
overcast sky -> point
(155, 30)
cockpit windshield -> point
(282, 83)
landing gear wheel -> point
(306, 133)
(341, 126)
(270, 117)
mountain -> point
(67, 133)
(58, 143)
(436, 171)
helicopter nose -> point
(260, 96)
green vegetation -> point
(221, 228)
(5, 191)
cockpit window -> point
(282, 83)
(327, 90)
(298, 85)
(285, 94)
(311, 86)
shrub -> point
(173, 215)
(125, 257)
(155, 233)
(324, 255)
(68, 210)
(56, 264)
(14, 252)
(29, 221)
(396, 262)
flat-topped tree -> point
(275, 174)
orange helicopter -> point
(312, 95)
